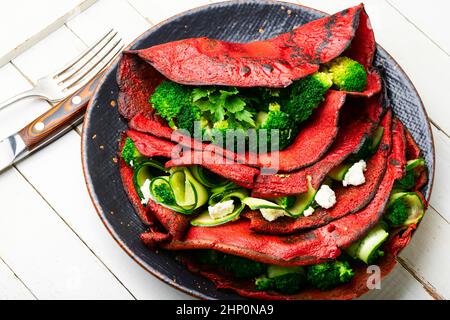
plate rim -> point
(88, 180)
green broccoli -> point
(130, 153)
(286, 202)
(306, 95)
(407, 182)
(187, 117)
(242, 268)
(164, 194)
(276, 119)
(169, 99)
(329, 275)
(286, 280)
(348, 75)
(397, 213)
(263, 283)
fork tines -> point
(91, 62)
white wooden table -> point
(52, 243)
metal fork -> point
(72, 77)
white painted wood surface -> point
(53, 245)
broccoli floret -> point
(348, 75)
(187, 117)
(277, 120)
(169, 99)
(164, 194)
(242, 268)
(407, 182)
(286, 202)
(264, 284)
(130, 153)
(397, 213)
(306, 95)
(287, 280)
(329, 275)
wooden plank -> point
(399, 285)
(441, 189)
(410, 48)
(427, 254)
(43, 59)
(18, 115)
(432, 19)
(156, 11)
(40, 248)
(42, 18)
(107, 14)
(11, 288)
(61, 160)
(45, 169)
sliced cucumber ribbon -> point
(367, 249)
(303, 202)
(371, 147)
(146, 170)
(415, 164)
(416, 208)
(207, 178)
(188, 194)
(237, 195)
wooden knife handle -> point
(59, 118)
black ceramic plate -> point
(231, 21)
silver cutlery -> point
(63, 83)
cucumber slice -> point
(303, 202)
(416, 208)
(415, 164)
(185, 194)
(368, 247)
(146, 170)
(202, 192)
(189, 194)
(205, 220)
(207, 178)
(338, 173)
(258, 204)
(376, 139)
(274, 271)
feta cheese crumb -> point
(272, 214)
(221, 210)
(326, 198)
(132, 163)
(355, 175)
(309, 212)
(145, 189)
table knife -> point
(48, 127)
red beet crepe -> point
(332, 134)
(349, 199)
(270, 63)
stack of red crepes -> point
(337, 130)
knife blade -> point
(48, 127)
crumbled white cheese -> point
(309, 212)
(326, 198)
(132, 163)
(221, 210)
(355, 175)
(272, 214)
(145, 189)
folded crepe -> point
(338, 129)
(288, 57)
